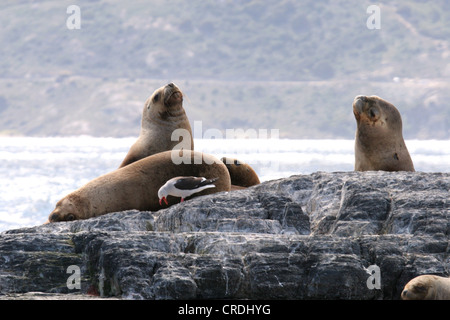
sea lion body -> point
(136, 186)
(379, 143)
(163, 113)
(242, 175)
(427, 287)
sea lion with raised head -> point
(136, 185)
(379, 143)
(163, 113)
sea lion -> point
(427, 287)
(163, 113)
(136, 185)
(242, 175)
(379, 143)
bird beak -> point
(165, 200)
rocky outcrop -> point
(318, 236)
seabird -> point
(184, 187)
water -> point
(37, 172)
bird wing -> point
(191, 183)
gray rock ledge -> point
(304, 237)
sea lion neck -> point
(168, 117)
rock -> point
(305, 237)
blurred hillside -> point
(290, 65)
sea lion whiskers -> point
(170, 91)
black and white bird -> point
(184, 187)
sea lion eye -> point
(373, 113)
(156, 97)
(70, 217)
(420, 288)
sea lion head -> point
(165, 102)
(69, 208)
(241, 173)
(420, 288)
(376, 115)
